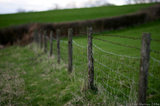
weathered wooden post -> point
(58, 45)
(51, 43)
(144, 66)
(40, 39)
(70, 32)
(34, 36)
(45, 42)
(90, 61)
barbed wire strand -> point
(115, 89)
(109, 76)
(122, 63)
(79, 45)
(127, 37)
(131, 57)
(112, 70)
(124, 45)
(156, 60)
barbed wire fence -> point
(117, 76)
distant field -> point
(68, 15)
(30, 77)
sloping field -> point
(29, 76)
(68, 15)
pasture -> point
(67, 15)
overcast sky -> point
(12, 6)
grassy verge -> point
(30, 77)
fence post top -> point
(90, 28)
(70, 33)
(70, 29)
(51, 32)
(89, 31)
(147, 36)
(44, 31)
(58, 30)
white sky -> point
(11, 6)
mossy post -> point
(144, 67)
(51, 43)
(70, 32)
(58, 45)
(90, 60)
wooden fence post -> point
(45, 42)
(70, 32)
(90, 61)
(144, 66)
(40, 39)
(51, 43)
(58, 46)
(34, 36)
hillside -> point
(68, 15)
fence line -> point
(156, 60)
(63, 41)
(109, 76)
(129, 66)
(119, 44)
(109, 93)
(91, 61)
(128, 37)
(120, 36)
(79, 45)
(112, 70)
(124, 45)
(115, 89)
(133, 57)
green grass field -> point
(68, 15)
(28, 76)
